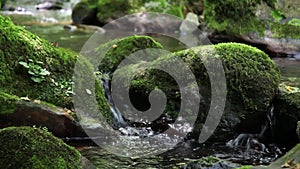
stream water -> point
(245, 149)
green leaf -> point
(39, 62)
(36, 79)
(277, 15)
(31, 72)
(44, 72)
(24, 64)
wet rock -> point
(17, 111)
(196, 7)
(274, 47)
(49, 5)
(84, 28)
(27, 147)
(83, 13)
(290, 160)
(287, 114)
(210, 163)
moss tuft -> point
(285, 30)
(8, 103)
(27, 148)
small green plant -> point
(277, 15)
(35, 69)
(295, 22)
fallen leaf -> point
(25, 98)
(37, 101)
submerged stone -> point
(28, 148)
(290, 160)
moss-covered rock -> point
(26, 147)
(247, 72)
(261, 23)
(108, 10)
(287, 114)
(34, 68)
(234, 17)
(119, 49)
(101, 12)
(85, 13)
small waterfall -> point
(251, 141)
(118, 120)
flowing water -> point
(244, 149)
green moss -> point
(285, 30)
(18, 45)
(245, 167)
(27, 148)
(112, 9)
(286, 109)
(8, 103)
(119, 49)
(291, 95)
(234, 17)
(247, 71)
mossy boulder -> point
(28, 148)
(99, 12)
(34, 68)
(108, 10)
(287, 114)
(234, 17)
(119, 49)
(261, 23)
(247, 71)
(85, 13)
